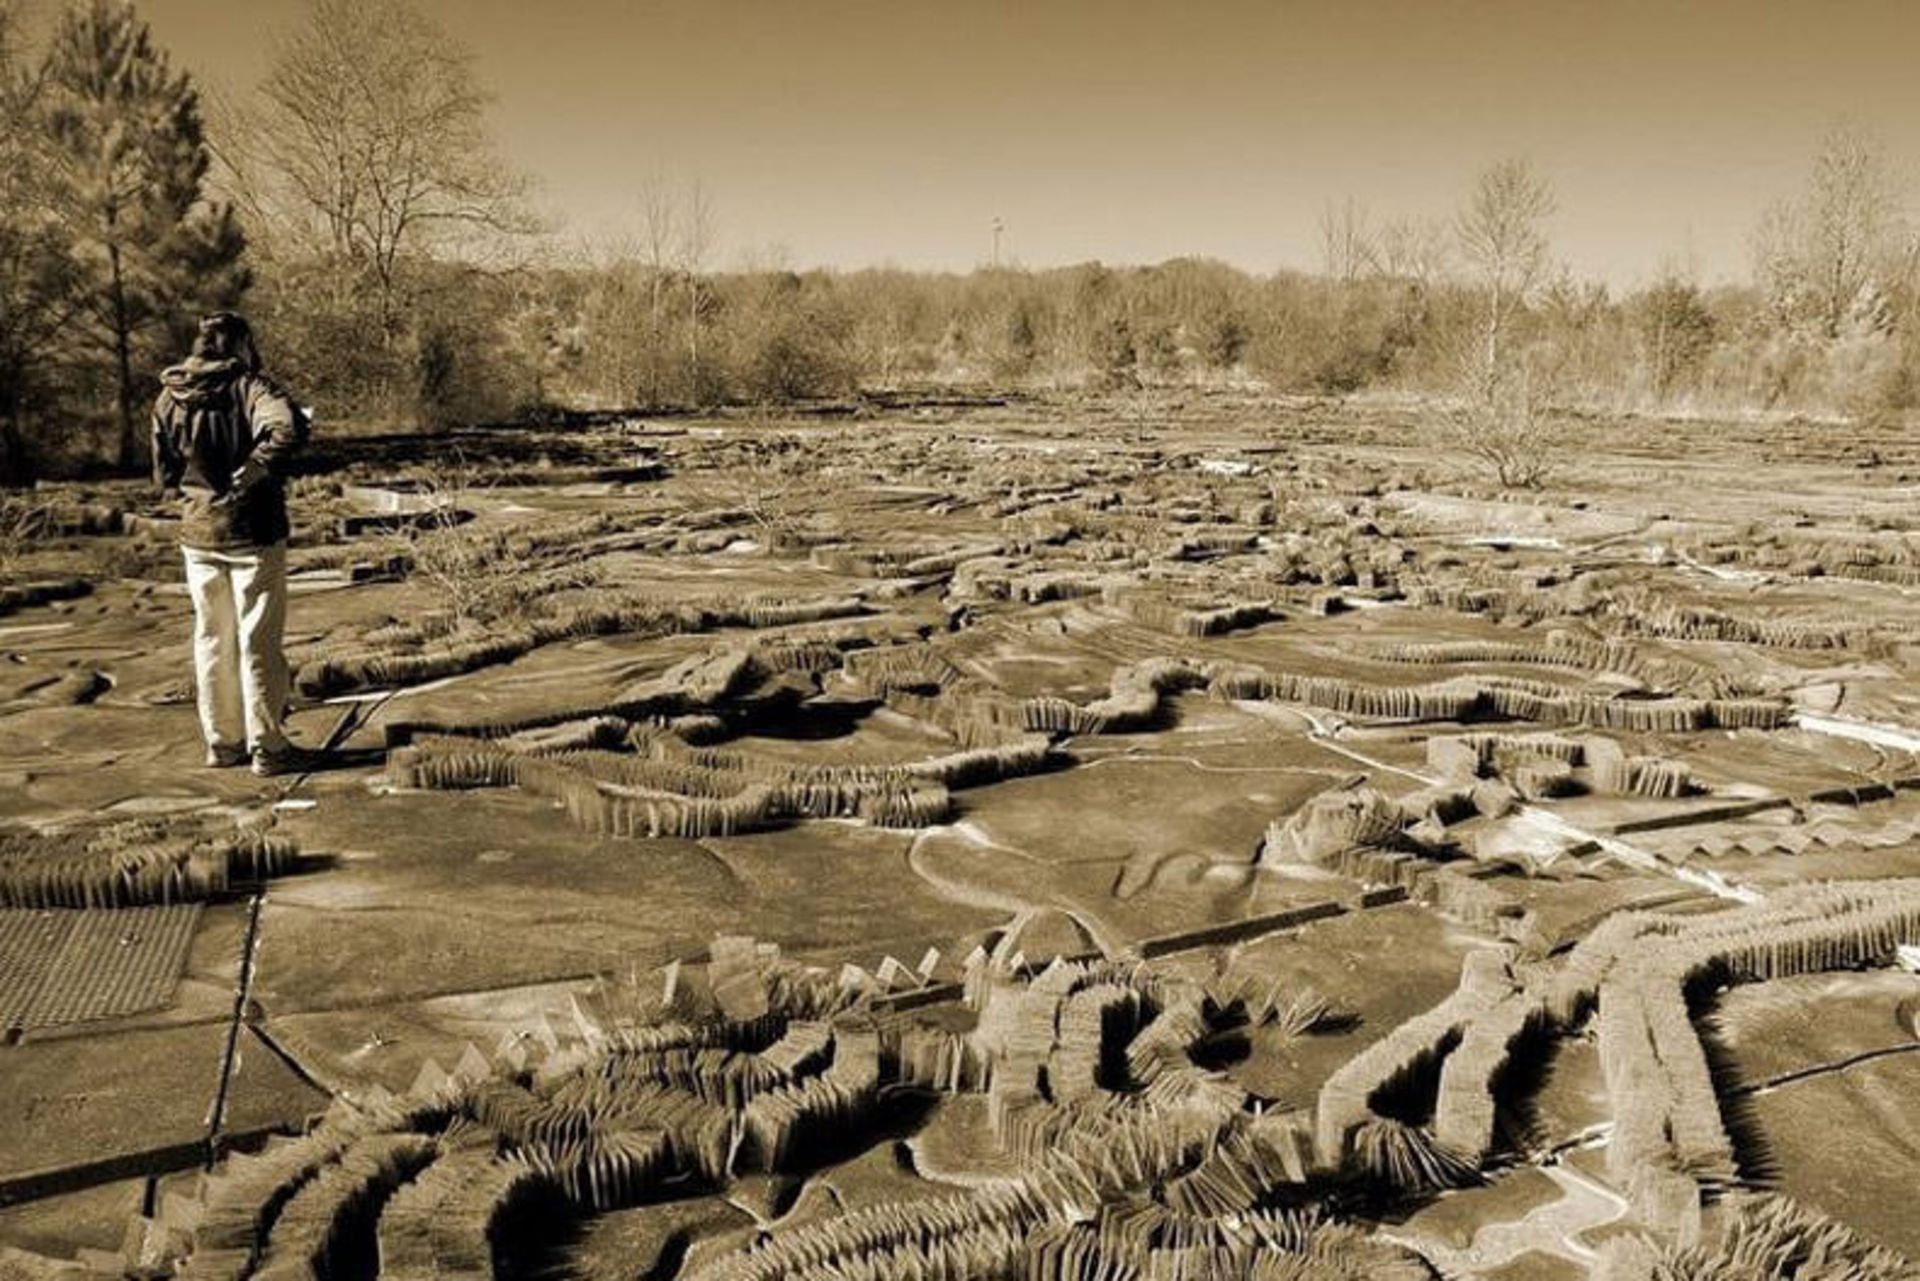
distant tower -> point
(998, 227)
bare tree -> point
(459, 562)
(764, 477)
(1828, 259)
(1503, 238)
(1347, 243)
(613, 309)
(649, 298)
(371, 146)
(660, 221)
(1506, 421)
(1415, 250)
(695, 243)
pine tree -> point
(133, 165)
(37, 285)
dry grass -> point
(23, 516)
(479, 579)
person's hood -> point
(199, 381)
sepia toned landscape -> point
(1147, 773)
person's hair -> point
(226, 335)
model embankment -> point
(1129, 1156)
(1130, 1159)
(1137, 692)
(1639, 978)
(138, 862)
(1625, 607)
(1765, 1236)
(346, 669)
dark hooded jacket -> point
(224, 434)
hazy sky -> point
(895, 131)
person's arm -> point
(279, 430)
(166, 461)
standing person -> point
(223, 436)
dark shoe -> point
(226, 757)
(287, 760)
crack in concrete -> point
(1204, 768)
(1770, 1084)
(290, 1059)
(249, 956)
(230, 1054)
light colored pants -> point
(239, 655)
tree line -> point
(398, 269)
